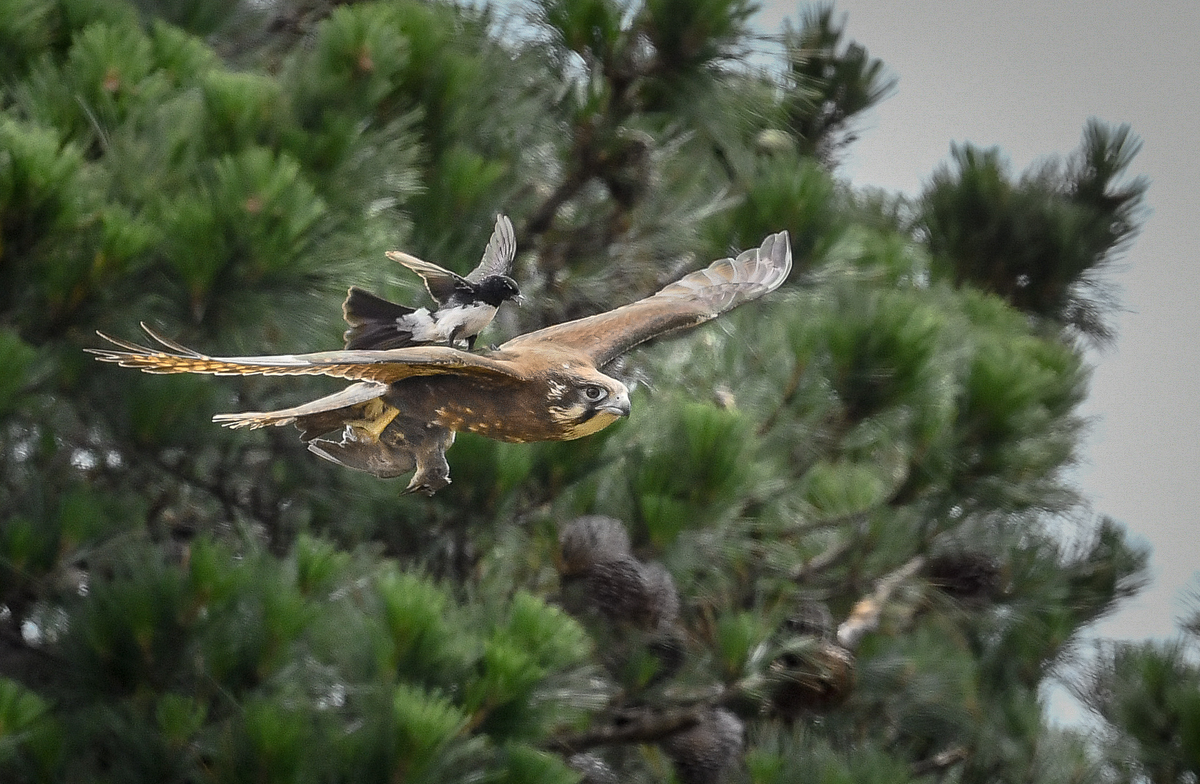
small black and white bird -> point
(465, 305)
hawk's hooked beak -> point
(618, 406)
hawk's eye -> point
(593, 392)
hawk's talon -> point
(377, 416)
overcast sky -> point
(1025, 77)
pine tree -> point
(1147, 698)
(835, 540)
(1041, 243)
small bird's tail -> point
(374, 322)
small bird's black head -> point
(496, 289)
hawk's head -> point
(582, 400)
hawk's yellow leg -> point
(377, 415)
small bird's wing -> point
(499, 254)
(384, 367)
(691, 300)
(440, 282)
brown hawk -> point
(406, 404)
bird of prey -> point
(406, 404)
(465, 305)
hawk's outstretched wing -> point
(346, 399)
(499, 254)
(381, 366)
(691, 300)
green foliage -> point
(418, 631)
(424, 727)
(523, 764)
(688, 468)
(590, 28)
(252, 217)
(1147, 694)
(829, 85)
(198, 17)
(1003, 424)
(17, 357)
(1040, 242)
(553, 638)
(40, 180)
(737, 635)
(690, 35)
(841, 489)
(788, 191)
(30, 740)
(355, 63)
(26, 28)
(805, 757)
(240, 106)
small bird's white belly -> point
(466, 321)
(423, 327)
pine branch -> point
(867, 611)
(541, 219)
(642, 726)
(785, 400)
(821, 562)
(940, 761)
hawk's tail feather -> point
(373, 458)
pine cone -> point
(628, 591)
(965, 575)
(620, 590)
(627, 166)
(589, 540)
(811, 619)
(703, 753)
(811, 678)
(662, 587)
(671, 650)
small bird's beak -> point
(519, 299)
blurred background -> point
(843, 536)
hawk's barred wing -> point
(499, 254)
(691, 300)
(381, 366)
